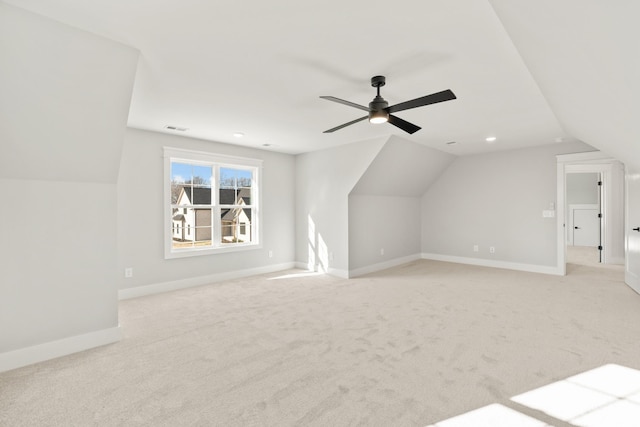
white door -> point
(632, 270)
(586, 227)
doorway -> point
(584, 215)
(599, 215)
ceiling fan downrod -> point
(377, 113)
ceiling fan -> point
(380, 112)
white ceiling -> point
(259, 68)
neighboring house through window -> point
(212, 203)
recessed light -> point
(490, 139)
(451, 142)
(238, 134)
(178, 128)
(267, 145)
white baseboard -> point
(383, 265)
(532, 268)
(303, 266)
(51, 350)
(338, 272)
(174, 285)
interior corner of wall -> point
(383, 141)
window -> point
(211, 203)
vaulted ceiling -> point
(258, 68)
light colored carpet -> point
(584, 255)
(409, 346)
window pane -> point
(227, 196)
(244, 178)
(236, 226)
(180, 172)
(181, 194)
(201, 196)
(180, 175)
(191, 227)
(235, 186)
(227, 178)
(203, 231)
(202, 176)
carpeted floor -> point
(585, 255)
(408, 346)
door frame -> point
(612, 203)
(631, 277)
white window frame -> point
(216, 161)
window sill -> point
(186, 253)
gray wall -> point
(384, 206)
(64, 105)
(141, 212)
(324, 180)
(496, 200)
(586, 65)
(570, 60)
(382, 222)
(582, 188)
(402, 168)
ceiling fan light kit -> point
(378, 116)
(380, 111)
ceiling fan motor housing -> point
(378, 104)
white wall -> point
(141, 217)
(586, 64)
(324, 180)
(382, 222)
(64, 105)
(384, 206)
(57, 261)
(402, 168)
(64, 101)
(496, 200)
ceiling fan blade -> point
(434, 98)
(342, 101)
(345, 125)
(403, 124)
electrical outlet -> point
(128, 272)
(476, 248)
(381, 251)
(270, 254)
(492, 250)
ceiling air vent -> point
(176, 128)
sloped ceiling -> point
(402, 168)
(64, 99)
(259, 68)
(585, 57)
